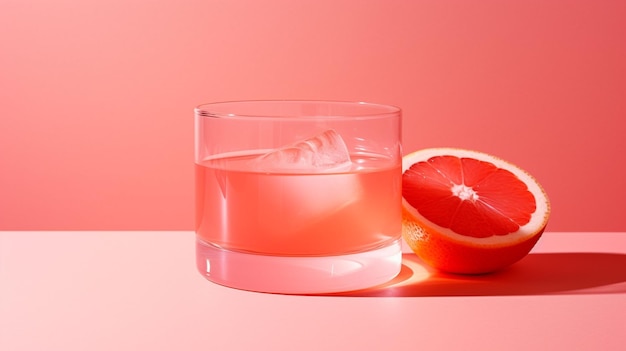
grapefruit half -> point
(469, 212)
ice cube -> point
(322, 153)
(304, 201)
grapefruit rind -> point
(453, 257)
(534, 227)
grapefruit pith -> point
(469, 212)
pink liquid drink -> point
(298, 214)
(295, 200)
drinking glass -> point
(298, 197)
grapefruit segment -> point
(469, 212)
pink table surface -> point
(141, 291)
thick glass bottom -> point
(299, 274)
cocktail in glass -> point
(298, 197)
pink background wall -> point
(97, 97)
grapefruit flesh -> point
(469, 212)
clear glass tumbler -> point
(298, 197)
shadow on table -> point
(536, 274)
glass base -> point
(298, 275)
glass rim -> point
(362, 109)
